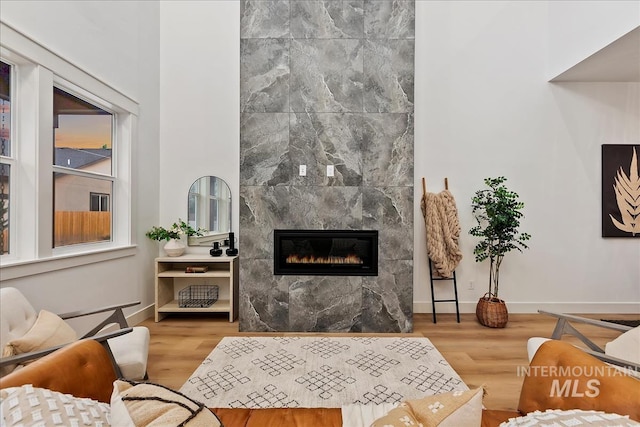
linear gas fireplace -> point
(326, 252)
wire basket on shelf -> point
(198, 296)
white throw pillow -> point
(32, 406)
(626, 346)
(573, 417)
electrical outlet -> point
(329, 170)
(303, 170)
(471, 285)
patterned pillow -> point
(136, 404)
(573, 417)
(453, 409)
(31, 406)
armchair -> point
(624, 351)
(128, 346)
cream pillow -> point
(626, 346)
(31, 406)
(453, 409)
(137, 404)
(49, 330)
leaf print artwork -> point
(627, 192)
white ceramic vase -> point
(174, 247)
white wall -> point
(117, 42)
(484, 109)
(199, 101)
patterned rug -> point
(319, 372)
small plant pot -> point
(492, 312)
(174, 247)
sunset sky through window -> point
(83, 131)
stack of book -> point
(196, 269)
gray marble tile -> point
(389, 19)
(264, 75)
(327, 19)
(387, 300)
(390, 211)
(325, 304)
(388, 150)
(263, 299)
(325, 208)
(321, 139)
(326, 82)
(262, 209)
(388, 76)
(326, 75)
(264, 19)
(264, 149)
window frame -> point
(36, 71)
(86, 96)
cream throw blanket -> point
(443, 231)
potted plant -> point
(174, 247)
(497, 212)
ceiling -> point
(617, 62)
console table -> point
(171, 277)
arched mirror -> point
(209, 207)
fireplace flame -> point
(349, 259)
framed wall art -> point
(620, 190)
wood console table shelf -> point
(171, 277)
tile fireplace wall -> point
(326, 83)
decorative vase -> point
(492, 312)
(174, 247)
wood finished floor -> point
(480, 355)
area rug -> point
(319, 372)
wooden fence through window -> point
(71, 227)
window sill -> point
(18, 269)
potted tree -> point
(497, 212)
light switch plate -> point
(329, 170)
(303, 170)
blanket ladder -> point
(432, 278)
(433, 297)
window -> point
(98, 202)
(5, 155)
(82, 172)
(65, 161)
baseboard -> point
(533, 307)
(141, 315)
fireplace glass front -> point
(326, 252)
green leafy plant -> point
(177, 229)
(497, 212)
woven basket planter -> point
(492, 312)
